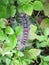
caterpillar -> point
(25, 23)
(24, 20)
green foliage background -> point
(9, 55)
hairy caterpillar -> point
(25, 24)
(24, 20)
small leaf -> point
(46, 58)
(46, 31)
(43, 63)
(37, 5)
(8, 61)
(46, 8)
(10, 43)
(43, 44)
(34, 53)
(17, 30)
(13, 40)
(41, 38)
(33, 28)
(32, 35)
(2, 24)
(32, 31)
(28, 9)
(20, 54)
(3, 11)
(24, 63)
(13, 10)
(44, 23)
(17, 62)
(9, 30)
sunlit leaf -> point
(46, 58)
(17, 30)
(2, 24)
(46, 31)
(20, 54)
(33, 28)
(37, 5)
(43, 44)
(44, 23)
(13, 11)
(46, 8)
(10, 43)
(41, 38)
(28, 9)
(32, 35)
(34, 53)
(9, 30)
(8, 60)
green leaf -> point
(24, 63)
(46, 31)
(41, 38)
(8, 61)
(13, 40)
(20, 8)
(46, 58)
(1, 51)
(43, 1)
(17, 30)
(33, 28)
(32, 35)
(28, 9)
(3, 11)
(20, 54)
(32, 31)
(23, 1)
(44, 23)
(11, 1)
(37, 5)
(1, 35)
(9, 30)
(38, 44)
(2, 24)
(34, 53)
(48, 41)
(46, 8)
(13, 10)
(5, 2)
(43, 44)
(43, 63)
(16, 62)
(10, 42)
